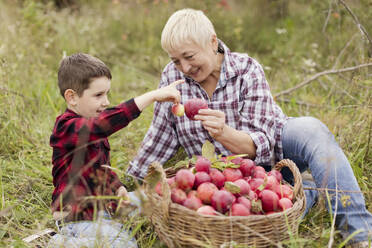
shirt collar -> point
(229, 68)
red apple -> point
(201, 177)
(246, 167)
(193, 203)
(276, 174)
(193, 106)
(192, 193)
(260, 170)
(185, 179)
(284, 191)
(178, 109)
(217, 177)
(238, 209)
(271, 183)
(206, 210)
(202, 164)
(243, 185)
(285, 203)
(232, 174)
(178, 195)
(269, 200)
(159, 189)
(222, 200)
(246, 202)
(206, 191)
(256, 183)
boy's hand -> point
(168, 93)
(123, 193)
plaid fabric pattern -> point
(80, 148)
(242, 93)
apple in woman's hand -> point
(193, 106)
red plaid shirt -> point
(80, 148)
(242, 93)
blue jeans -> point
(310, 144)
(105, 232)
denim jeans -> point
(105, 232)
(310, 144)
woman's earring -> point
(216, 52)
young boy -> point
(81, 152)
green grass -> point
(126, 36)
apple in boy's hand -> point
(178, 109)
(193, 105)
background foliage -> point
(291, 39)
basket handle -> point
(154, 175)
(298, 188)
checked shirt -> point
(80, 149)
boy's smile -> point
(94, 100)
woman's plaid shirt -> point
(242, 93)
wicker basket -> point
(178, 226)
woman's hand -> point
(213, 121)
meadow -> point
(293, 40)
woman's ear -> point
(71, 97)
(214, 42)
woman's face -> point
(195, 61)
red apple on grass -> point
(193, 106)
(178, 109)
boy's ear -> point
(71, 97)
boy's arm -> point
(165, 94)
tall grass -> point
(291, 46)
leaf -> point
(181, 164)
(232, 187)
(231, 165)
(193, 159)
(208, 151)
(229, 158)
(220, 165)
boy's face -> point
(94, 99)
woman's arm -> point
(237, 142)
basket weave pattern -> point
(178, 226)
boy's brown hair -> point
(77, 71)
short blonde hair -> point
(186, 26)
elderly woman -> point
(243, 118)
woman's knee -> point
(308, 127)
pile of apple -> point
(231, 186)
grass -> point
(126, 35)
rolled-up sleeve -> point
(258, 118)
